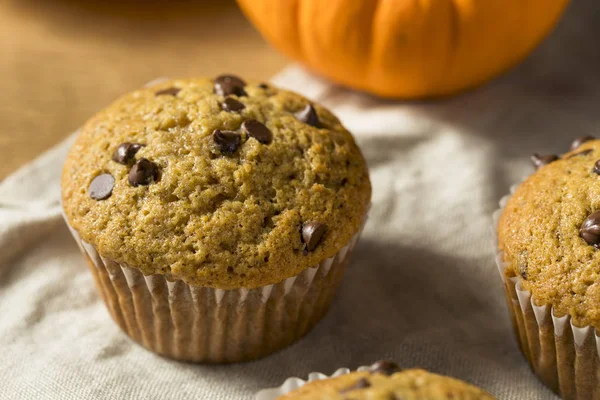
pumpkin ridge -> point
(302, 39)
(301, 50)
(371, 33)
(453, 42)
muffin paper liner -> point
(563, 356)
(202, 324)
(294, 383)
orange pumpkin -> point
(406, 48)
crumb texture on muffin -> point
(546, 241)
(412, 384)
(214, 181)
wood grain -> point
(62, 60)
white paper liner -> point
(565, 357)
(294, 383)
(226, 325)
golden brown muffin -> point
(550, 230)
(388, 384)
(218, 183)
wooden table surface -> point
(62, 60)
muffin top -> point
(549, 233)
(217, 182)
(384, 382)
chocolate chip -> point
(126, 152)
(362, 383)
(540, 160)
(229, 84)
(228, 141)
(263, 86)
(581, 153)
(143, 172)
(101, 187)
(172, 91)
(597, 167)
(312, 233)
(384, 367)
(231, 104)
(581, 140)
(524, 275)
(258, 131)
(309, 116)
(590, 229)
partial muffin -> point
(385, 381)
(548, 238)
(215, 190)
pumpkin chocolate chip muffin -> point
(216, 188)
(548, 238)
(385, 381)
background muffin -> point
(384, 381)
(548, 236)
(219, 184)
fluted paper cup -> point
(202, 324)
(294, 383)
(563, 356)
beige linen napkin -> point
(422, 288)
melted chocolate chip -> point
(590, 229)
(228, 141)
(258, 131)
(309, 116)
(384, 367)
(101, 187)
(172, 91)
(126, 152)
(312, 233)
(581, 153)
(143, 172)
(597, 167)
(539, 161)
(263, 86)
(362, 383)
(226, 85)
(580, 140)
(231, 104)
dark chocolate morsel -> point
(172, 91)
(143, 172)
(101, 187)
(231, 104)
(590, 229)
(312, 233)
(362, 383)
(263, 86)
(226, 85)
(309, 116)
(580, 140)
(258, 131)
(597, 167)
(228, 141)
(126, 152)
(581, 153)
(539, 161)
(384, 367)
